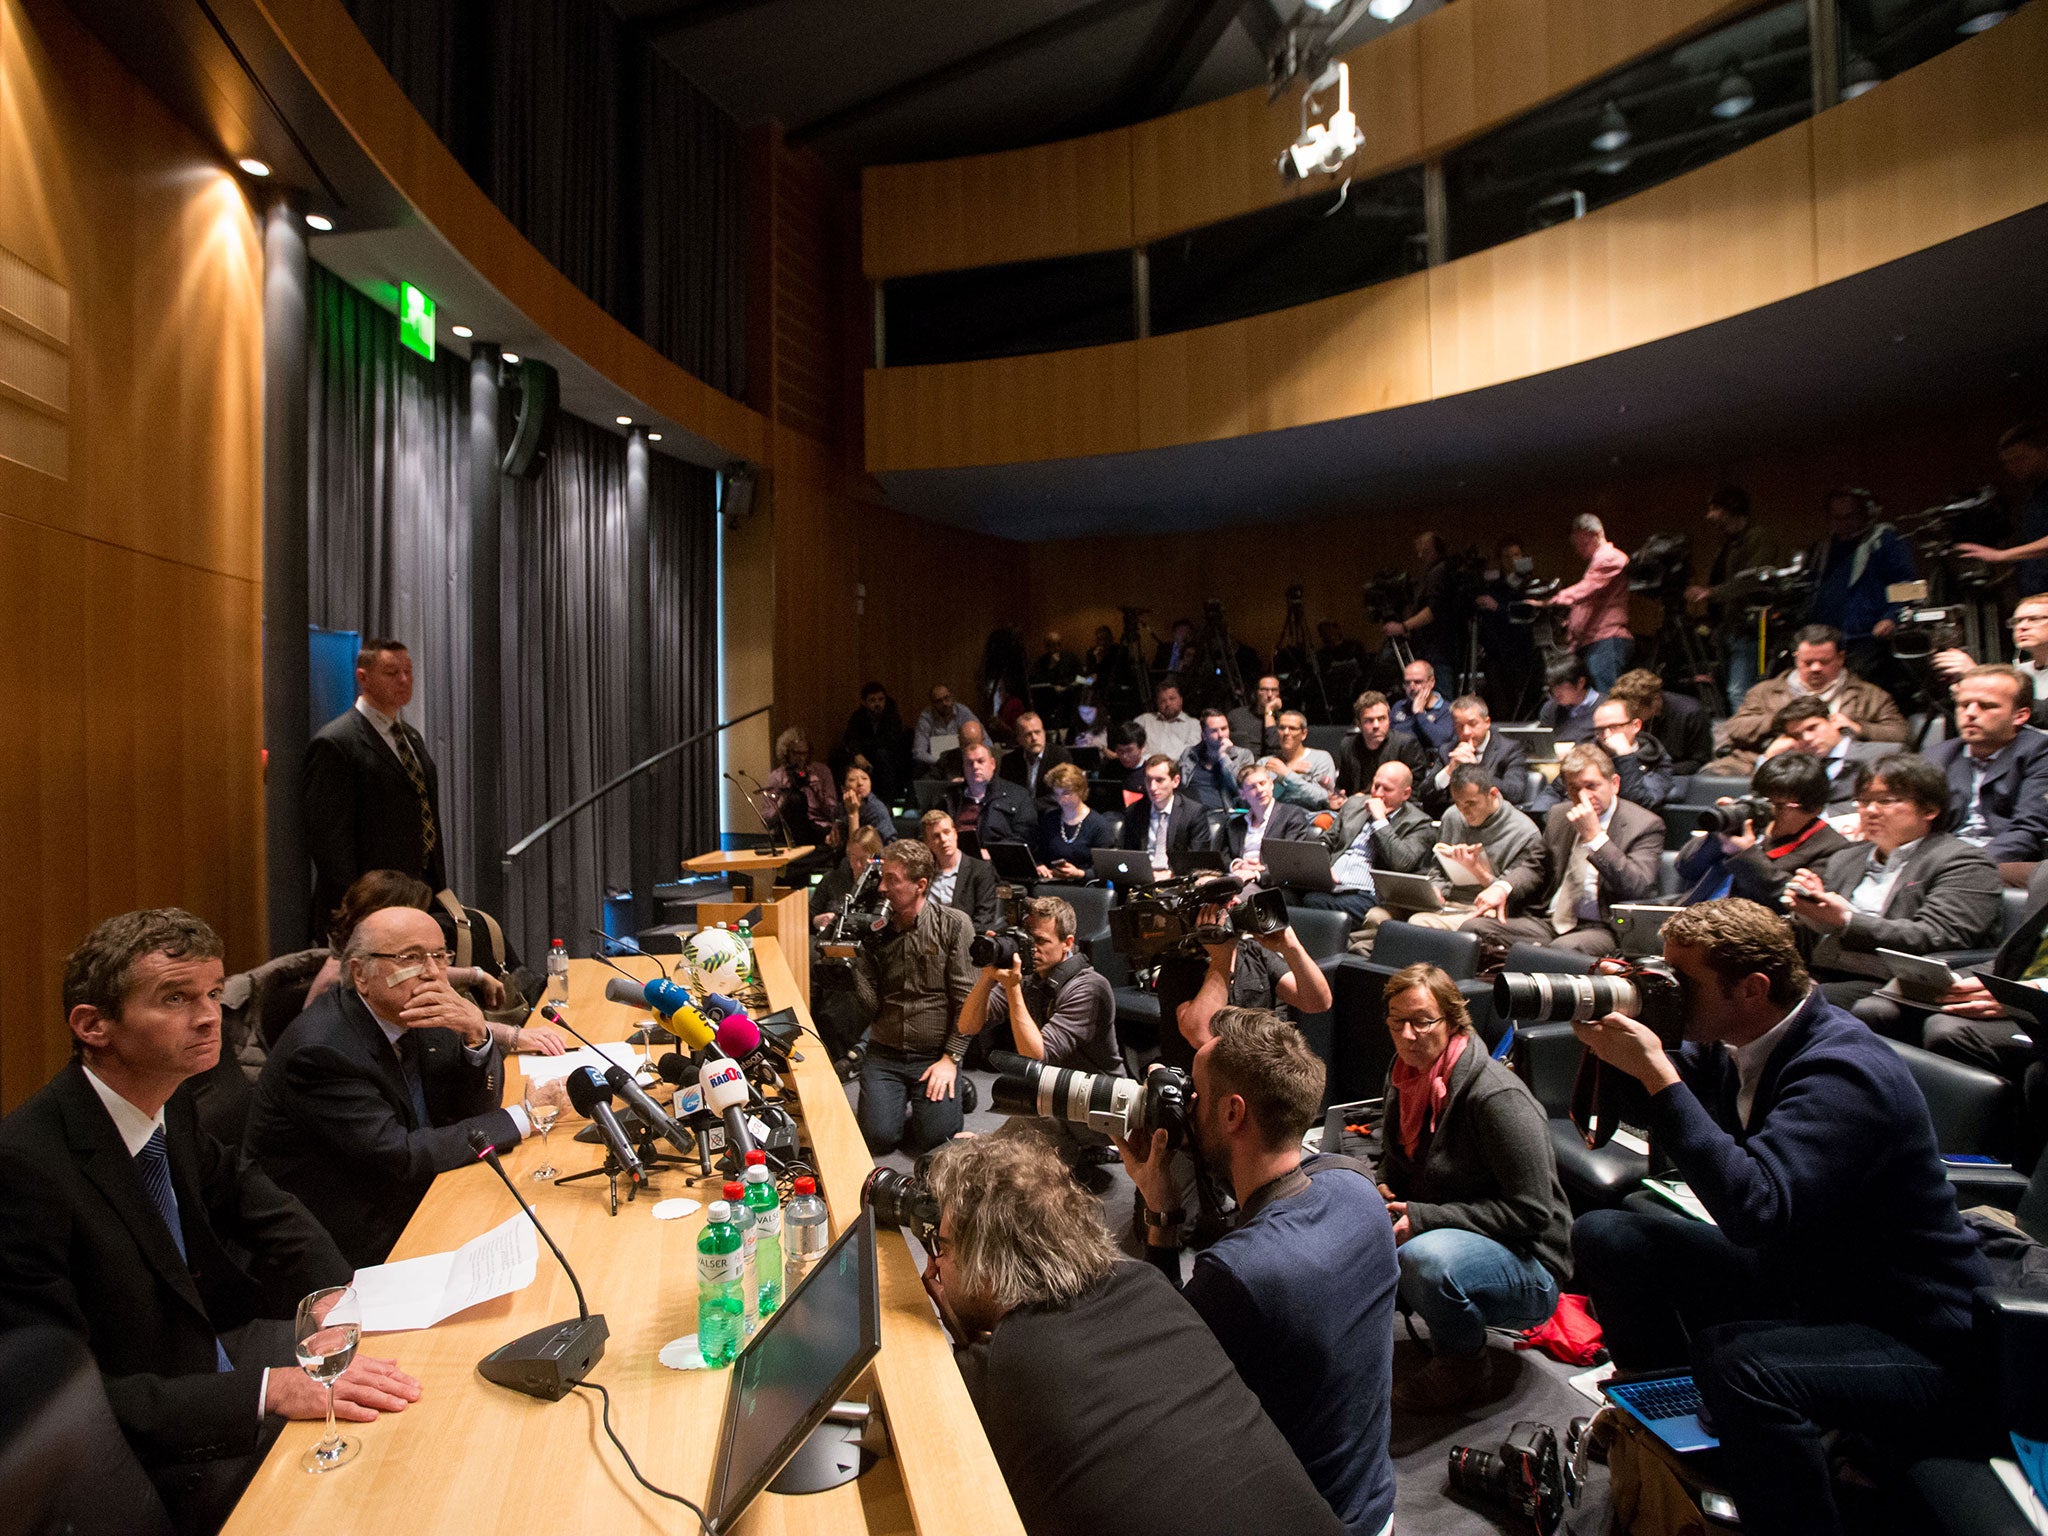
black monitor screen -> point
(801, 1362)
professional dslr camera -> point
(1753, 810)
(1649, 991)
(850, 927)
(1526, 1474)
(1116, 1106)
(1162, 919)
(902, 1200)
(1001, 947)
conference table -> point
(473, 1457)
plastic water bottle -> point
(558, 973)
(750, 974)
(767, 1208)
(807, 1232)
(721, 1284)
(750, 1259)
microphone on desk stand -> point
(754, 797)
(549, 1361)
(635, 950)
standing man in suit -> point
(1026, 766)
(994, 810)
(372, 798)
(122, 1222)
(374, 1089)
(967, 885)
(1264, 817)
(1598, 849)
(1997, 770)
(1474, 742)
(1164, 821)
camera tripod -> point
(1132, 642)
(1677, 648)
(1216, 656)
(1294, 633)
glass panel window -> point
(1027, 306)
(1880, 38)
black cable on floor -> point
(612, 1435)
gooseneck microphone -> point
(549, 1361)
(591, 1096)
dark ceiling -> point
(869, 82)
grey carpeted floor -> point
(1525, 1385)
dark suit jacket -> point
(1627, 864)
(1504, 757)
(1686, 732)
(332, 1121)
(1842, 771)
(1947, 897)
(362, 812)
(2014, 799)
(1007, 813)
(1356, 765)
(2017, 952)
(1287, 822)
(82, 1247)
(1011, 769)
(1405, 844)
(1189, 827)
(974, 892)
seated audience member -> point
(1832, 1290)
(1264, 817)
(1106, 661)
(828, 897)
(1997, 769)
(1165, 821)
(860, 806)
(876, 740)
(1107, 1403)
(804, 799)
(1125, 763)
(953, 761)
(1056, 666)
(1906, 885)
(1478, 742)
(1091, 720)
(1341, 661)
(1470, 1180)
(1597, 620)
(993, 809)
(2029, 624)
(178, 1264)
(1209, 769)
(1757, 865)
(1808, 725)
(1639, 757)
(1302, 774)
(1421, 711)
(375, 1088)
(911, 978)
(1257, 729)
(1175, 656)
(967, 885)
(1403, 836)
(1376, 742)
(1820, 667)
(1026, 766)
(1300, 1293)
(1496, 850)
(1568, 713)
(1065, 839)
(1677, 721)
(938, 729)
(1598, 849)
(1168, 731)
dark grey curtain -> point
(693, 267)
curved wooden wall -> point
(1418, 91)
(1957, 143)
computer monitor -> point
(802, 1361)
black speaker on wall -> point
(742, 488)
(534, 424)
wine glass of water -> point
(541, 1116)
(328, 1327)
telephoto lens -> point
(898, 1200)
(1525, 1475)
(1649, 992)
(1752, 809)
(1116, 1106)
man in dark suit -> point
(958, 881)
(1264, 818)
(374, 1089)
(993, 809)
(1376, 742)
(1808, 724)
(371, 793)
(1476, 741)
(1997, 769)
(123, 1223)
(1026, 766)
(1165, 821)
(1598, 849)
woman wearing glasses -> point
(1470, 1180)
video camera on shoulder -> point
(1163, 919)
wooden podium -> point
(740, 865)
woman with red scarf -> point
(1470, 1180)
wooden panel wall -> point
(1050, 405)
(130, 597)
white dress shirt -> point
(386, 726)
(1578, 893)
(1750, 1061)
(1874, 890)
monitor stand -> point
(832, 1455)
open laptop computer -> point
(1641, 926)
(1539, 741)
(1405, 893)
(1123, 866)
(1667, 1405)
(1301, 866)
(2028, 1004)
(1014, 863)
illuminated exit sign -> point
(416, 320)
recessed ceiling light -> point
(655, 437)
(510, 357)
(253, 166)
(319, 221)
(461, 330)
(1858, 76)
(624, 421)
(1979, 15)
(1386, 10)
(1613, 130)
(1735, 96)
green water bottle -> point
(743, 1218)
(767, 1209)
(721, 1287)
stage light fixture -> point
(253, 166)
(1324, 146)
(624, 421)
(1613, 130)
(510, 357)
(1735, 95)
(1386, 10)
(1978, 15)
(654, 437)
(319, 221)
(1859, 75)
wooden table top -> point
(473, 1457)
(741, 860)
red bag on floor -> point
(1572, 1334)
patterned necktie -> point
(153, 1163)
(410, 761)
(409, 1069)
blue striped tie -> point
(153, 1162)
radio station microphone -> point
(682, 1071)
(592, 1098)
(742, 1039)
(726, 1094)
(547, 1362)
(666, 1001)
(656, 1118)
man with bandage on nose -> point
(374, 1089)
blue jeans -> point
(1742, 672)
(1607, 659)
(1461, 1284)
(888, 1087)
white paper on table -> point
(549, 1069)
(418, 1293)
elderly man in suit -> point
(374, 1089)
(371, 795)
(1034, 756)
(122, 1222)
(994, 810)
(1476, 741)
(1165, 821)
(1997, 768)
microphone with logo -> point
(591, 1096)
(549, 1361)
(726, 1094)
(666, 1001)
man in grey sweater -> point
(1496, 848)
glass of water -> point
(541, 1116)
(328, 1328)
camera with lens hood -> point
(902, 1200)
(1525, 1475)
(1115, 1106)
(1753, 811)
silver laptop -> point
(1301, 866)
(1405, 893)
(1641, 926)
(1920, 980)
(1124, 866)
(1539, 741)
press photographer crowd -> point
(1665, 997)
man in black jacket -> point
(371, 793)
(1997, 769)
(994, 810)
(1476, 741)
(1376, 742)
(179, 1265)
(1639, 757)
(1164, 821)
(1263, 818)
(1026, 766)
(374, 1089)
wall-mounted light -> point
(1859, 75)
(253, 166)
(461, 330)
(1612, 130)
(510, 357)
(1735, 95)
(1978, 15)
(320, 222)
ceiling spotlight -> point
(1858, 76)
(463, 331)
(319, 221)
(257, 167)
(1386, 10)
(1735, 96)
(624, 421)
(1325, 146)
(1613, 131)
(654, 437)
(1981, 14)
(510, 357)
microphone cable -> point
(611, 1434)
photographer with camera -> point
(1300, 1293)
(1375, 742)
(1997, 769)
(1422, 712)
(912, 976)
(1598, 603)
(1107, 1403)
(1272, 971)
(1820, 669)
(1470, 1180)
(967, 885)
(1853, 566)
(1211, 768)
(1512, 665)
(2023, 454)
(1745, 546)
(1788, 795)
(1432, 629)
(1833, 1290)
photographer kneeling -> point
(1833, 1291)
(1470, 1180)
(1757, 865)
(1107, 1403)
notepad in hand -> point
(1678, 1193)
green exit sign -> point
(416, 320)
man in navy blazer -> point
(1476, 741)
(1997, 767)
(1165, 821)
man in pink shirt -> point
(1598, 622)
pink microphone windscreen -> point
(738, 1035)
